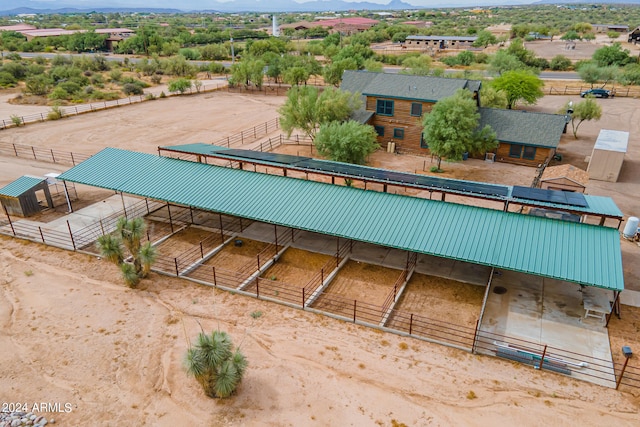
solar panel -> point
(356, 171)
(550, 196)
(393, 177)
(284, 159)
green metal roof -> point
(524, 127)
(581, 253)
(404, 86)
(20, 186)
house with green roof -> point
(395, 103)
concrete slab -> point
(631, 298)
(549, 312)
(372, 254)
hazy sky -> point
(210, 4)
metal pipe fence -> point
(625, 92)
(42, 154)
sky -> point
(210, 4)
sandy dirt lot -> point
(72, 333)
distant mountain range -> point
(70, 6)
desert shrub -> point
(55, 113)
(13, 56)
(60, 60)
(190, 54)
(156, 79)
(17, 120)
(132, 89)
(560, 63)
(97, 80)
(58, 93)
(7, 79)
(115, 75)
(70, 87)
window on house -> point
(423, 143)
(529, 153)
(398, 133)
(515, 150)
(379, 130)
(384, 107)
(416, 109)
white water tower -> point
(275, 30)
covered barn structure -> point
(524, 256)
(24, 196)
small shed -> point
(25, 196)
(608, 154)
(564, 177)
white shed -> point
(608, 155)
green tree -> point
(349, 141)
(485, 38)
(503, 61)
(583, 111)
(179, 85)
(306, 108)
(491, 98)
(128, 235)
(213, 362)
(333, 72)
(451, 128)
(519, 86)
(417, 65)
(611, 55)
(295, 75)
(570, 35)
(560, 63)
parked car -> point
(598, 93)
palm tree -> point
(218, 369)
(128, 235)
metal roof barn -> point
(581, 253)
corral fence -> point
(42, 154)
(312, 296)
(74, 110)
(624, 92)
(250, 135)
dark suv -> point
(598, 93)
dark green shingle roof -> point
(421, 88)
(524, 127)
(582, 253)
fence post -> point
(73, 243)
(14, 149)
(9, 218)
(146, 201)
(41, 235)
(258, 287)
(175, 261)
(214, 276)
(475, 337)
(201, 251)
(303, 298)
(72, 159)
(354, 310)
(544, 353)
(34, 153)
(411, 324)
(619, 380)
(170, 220)
(53, 157)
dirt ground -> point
(583, 49)
(71, 332)
(442, 299)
